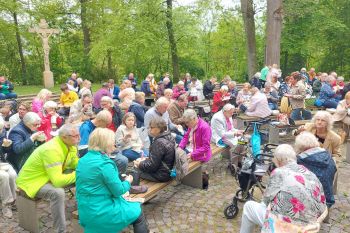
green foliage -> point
(131, 36)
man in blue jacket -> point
(113, 89)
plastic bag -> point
(255, 141)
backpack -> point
(180, 168)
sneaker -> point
(7, 212)
(136, 189)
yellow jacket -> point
(47, 164)
(68, 100)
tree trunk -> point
(249, 26)
(172, 42)
(110, 69)
(20, 49)
(273, 32)
(87, 39)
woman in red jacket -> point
(50, 120)
(220, 99)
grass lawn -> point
(31, 89)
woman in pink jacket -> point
(39, 101)
(178, 90)
(197, 138)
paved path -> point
(185, 209)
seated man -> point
(81, 110)
(45, 173)
(103, 91)
(22, 109)
(160, 111)
(6, 89)
(258, 106)
(209, 87)
(67, 99)
(176, 110)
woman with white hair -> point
(126, 97)
(38, 102)
(101, 205)
(321, 126)
(117, 115)
(220, 98)
(197, 138)
(293, 198)
(168, 93)
(25, 138)
(179, 89)
(7, 178)
(50, 120)
(244, 95)
(318, 161)
(341, 113)
(223, 132)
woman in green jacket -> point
(101, 206)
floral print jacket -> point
(295, 195)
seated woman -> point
(244, 95)
(86, 89)
(178, 90)
(220, 98)
(161, 151)
(39, 101)
(25, 138)
(197, 138)
(99, 190)
(108, 104)
(271, 95)
(126, 96)
(328, 97)
(321, 127)
(258, 106)
(342, 111)
(128, 139)
(50, 120)
(294, 195)
(317, 160)
(7, 177)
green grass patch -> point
(31, 89)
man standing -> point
(113, 89)
(44, 175)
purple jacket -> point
(201, 142)
(98, 96)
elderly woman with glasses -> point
(161, 153)
(25, 138)
(317, 160)
(117, 115)
(321, 127)
(293, 198)
(197, 138)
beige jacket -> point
(134, 142)
(331, 143)
(298, 95)
(341, 113)
(176, 113)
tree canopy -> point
(103, 39)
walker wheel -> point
(231, 211)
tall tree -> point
(19, 44)
(249, 27)
(172, 41)
(87, 37)
(273, 31)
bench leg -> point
(194, 179)
(347, 150)
(240, 124)
(273, 134)
(76, 227)
(27, 214)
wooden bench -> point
(275, 129)
(193, 179)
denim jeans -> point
(133, 155)
(330, 104)
(8, 96)
(121, 161)
(300, 114)
(273, 106)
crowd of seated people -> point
(107, 129)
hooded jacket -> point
(319, 161)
